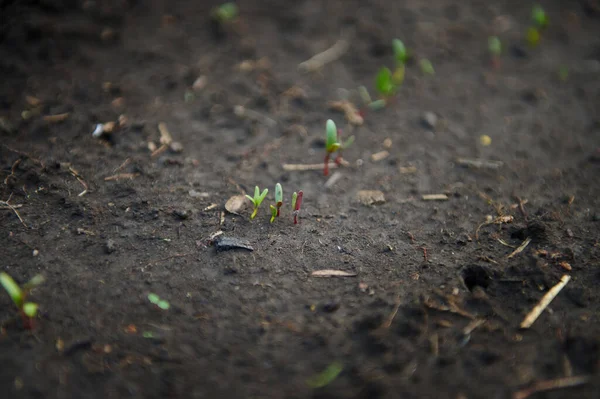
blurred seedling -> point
(426, 67)
(540, 22)
(224, 13)
(160, 303)
(257, 200)
(28, 310)
(333, 144)
(278, 202)
(495, 49)
(563, 73)
(296, 204)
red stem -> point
(326, 165)
(298, 204)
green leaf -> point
(533, 36)
(398, 76)
(426, 67)
(12, 288)
(364, 94)
(164, 305)
(278, 194)
(148, 334)
(34, 282)
(294, 198)
(153, 298)
(383, 82)
(251, 199)
(256, 192)
(348, 142)
(494, 45)
(30, 309)
(400, 53)
(262, 197)
(377, 105)
(326, 377)
(273, 212)
(226, 12)
(539, 17)
(331, 144)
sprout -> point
(426, 67)
(257, 200)
(563, 73)
(225, 12)
(378, 104)
(19, 295)
(539, 17)
(161, 303)
(333, 144)
(533, 36)
(400, 52)
(296, 204)
(273, 213)
(384, 83)
(494, 46)
(364, 95)
(326, 376)
(278, 197)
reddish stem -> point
(326, 165)
(338, 159)
(298, 204)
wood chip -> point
(435, 197)
(288, 167)
(370, 197)
(349, 110)
(56, 118)
(380, 156)
(544, 302)
(520, 248)
(479, 163)
(407, 170)
(236, 204)
(332, 273)
(165, 135)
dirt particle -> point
(181, 214)
(110, 246)
(370, 197)
(429, 120)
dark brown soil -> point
(434, 309)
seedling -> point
(296, 204)
(384, 83)
(161, 303)
(257, 200)
(400, 52)
(533, 36)
(28, 310)
(333, 144)
(495, 48)
(278, 197)
(539, 17)
(426, 67)
(563, 73)
(224, 13)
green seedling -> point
(563, 73)
(333, 143)
(539, 17)
(161, 303)
(28, 310)
(378, 104)
(296, 204)
(426, 67)
(257, 200)
(384, 83)
(400, 52)
(533, 36)
(278, 197)
(326, 376)
(224, 13)
(495, 49)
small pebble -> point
(429, 120)
(36, 252)
(110, 246)
(181, 214)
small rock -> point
(176, 147)
(330, 307)
(36, 252)
(200, 83)
(198, 194)
(181, 214)
(370, 197)
(429, 120)
(110, 246)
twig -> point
(544, 302)
(24, 154)
(12, 208)
(424, 254)
(479, 163)
(392, 315)
(125, 163)
(520, 248)
(434, 197)
(327, 56)
(12, 170)
(349, 111)
(243, 112)
(548, 385)
(521, 204)
(119, 176)
(80, 180)
(288, 167)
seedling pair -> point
(333, 144)
(275, 209)
(540, 22)
(161, 303)
(28, 310)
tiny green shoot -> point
(278, 197)
(257, 200)
(326, 376)
(400, 52)
(273, 213)
(156, 300)
(539, 17)
(226, 12)
(378, 104)
(426, 67)
(563, 73)
(494, 46)
(333, 144)
(384, 82)
(533, 36)
(296, 204)
(364, 95)
(19, 295)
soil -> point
(434, 306)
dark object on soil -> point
(518, 52)
(330, 307)
(228, 243)
(591, 8)
(110, 246)
(535, 229)
(181, 214)
(77, 345)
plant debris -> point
(223, 243)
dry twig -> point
(520, 248)
(288, 167)
(13, 208)
(544, 302)
(548, 385)
(327, 56)
(80, 180)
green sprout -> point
(273, 213)
(225, 12)
(161, 303)
(533, 36)
(539, 17)
(494, 46)
(563, 73)
(19, 295)
(296, 204)
(326, 376)
(400, 52)
(278, 197)
(257, 200)
(426, 67)
(384, 82)
(333, 144)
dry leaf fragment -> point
(380, 156)
(236, 204)
(370, 197)
(332, 273)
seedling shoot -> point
(296, 204)
(495, 49)
(333, 144)
(278, 197)
(28, 310)
(426, 67)
(257, 200)
(161, 303)
(226, 12)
